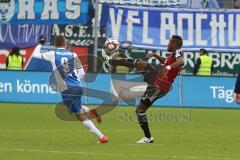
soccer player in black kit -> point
(159, 80)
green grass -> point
(33, 132)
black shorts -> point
(237, 85)
(151, 94)
(150, 74)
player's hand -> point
(42, 40)
(150, 55)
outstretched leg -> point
(148, 71)
(72, 100)
(92, 128)
(139, 64)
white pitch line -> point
(130, 144)
(113, 130)
(153, 144)
(118, 154)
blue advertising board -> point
(28, 87)
(152, 27)
(44, 12)
(214, 92)
(188, 91)
(33, 87)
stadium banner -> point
(225, 63)
(22, 35)
(187, 91)
(78, 35)
(27, 87)
(26, 53)
(215, 92)
(34, 64)
(156, 3)
(167, 3)
(44, 12)
(129, 88)
(152, 27)
(33, 87)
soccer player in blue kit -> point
(68, 71)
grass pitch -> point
(33, 132)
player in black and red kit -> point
(159, 80)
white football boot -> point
(145, 140)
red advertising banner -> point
(82, 53)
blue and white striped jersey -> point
(65, 62)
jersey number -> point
(64, 63)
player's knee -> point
(81, 117)
(146, 102)
(149, 67)
(141, 116)
(139, 111)
(140, 65)
(141, 108)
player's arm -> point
(47, 56)
(79, 71)
(196, 66)
(160, 58)
(179, 61)
(36, 52)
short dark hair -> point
(204, 51)
(15, 51)
(179, 40)
(59, 41)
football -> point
(111, 45)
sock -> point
(143, 121)
(92, 128)
(85, 109)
